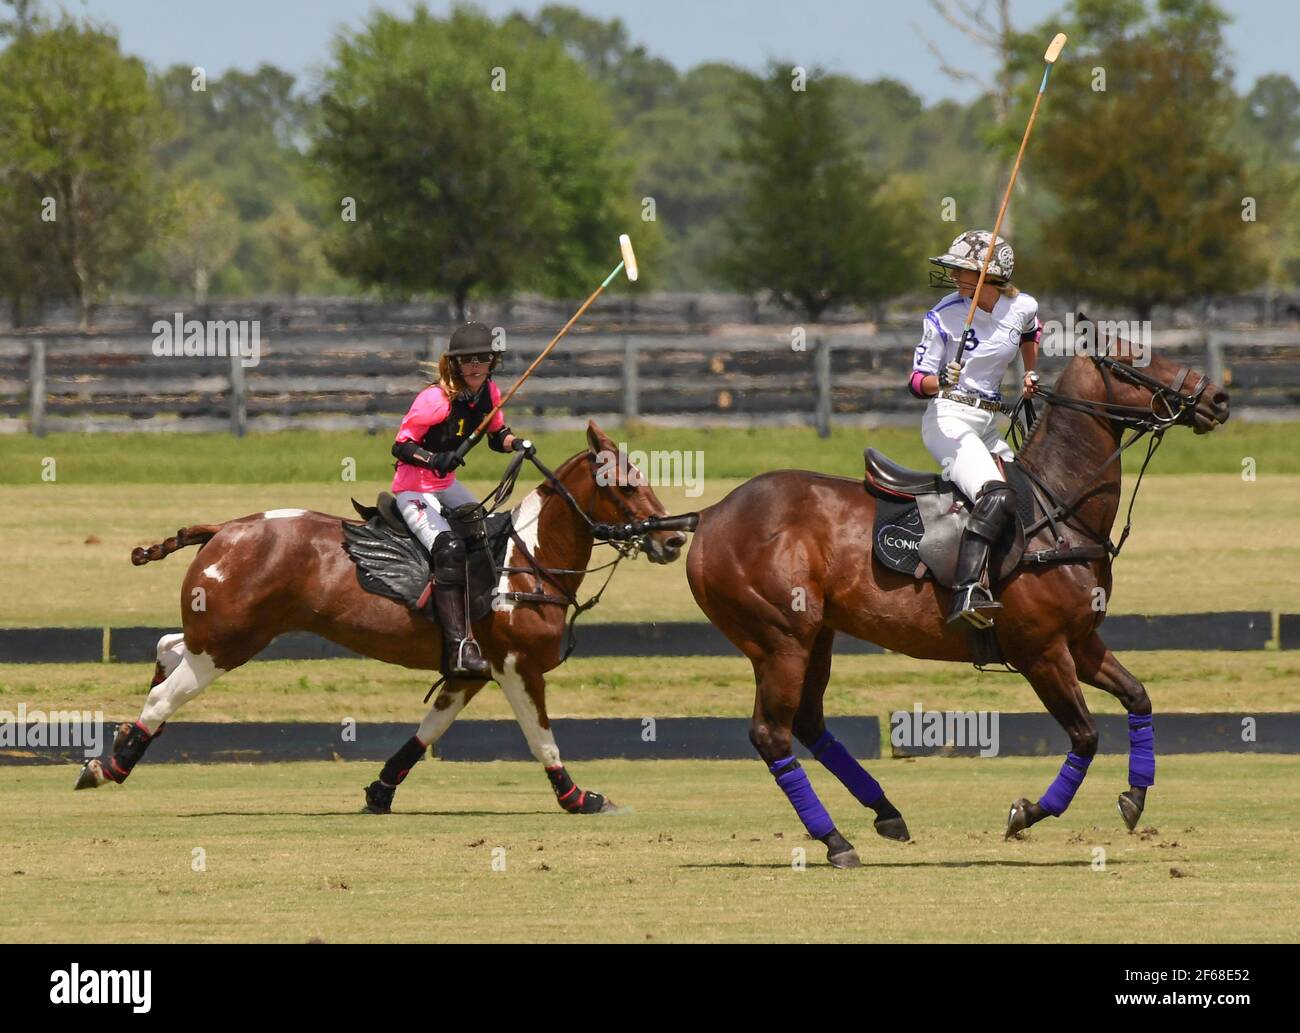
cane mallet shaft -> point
(629, 265)
(1053, 52)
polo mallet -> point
(1053, 52)
(629, 264)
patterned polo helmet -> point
(967, 252)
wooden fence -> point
(350, 378)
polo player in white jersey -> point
(964, 379)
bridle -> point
(1169, 405)
(626, 539)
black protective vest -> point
(461, 422)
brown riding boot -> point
(463, 659)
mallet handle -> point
(472, 440)
(1053, 52)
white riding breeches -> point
(964, 440)
(422, 511)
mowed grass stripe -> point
(634, 687)
(1200, 543)
(303, 457)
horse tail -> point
(199, 534)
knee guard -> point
(448, 559)
(994, 509)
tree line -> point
(464, 156)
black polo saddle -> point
(920, 517)
(391, 562)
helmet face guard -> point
(968, 252)
(942, 277)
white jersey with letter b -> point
(997, 339)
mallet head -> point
(1054, 48)
(629, 256)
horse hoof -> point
(379, 798)
(893, 828)
(1130, 809)
(92, 775)
(1017, 819)
(844, 858)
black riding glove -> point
(525, 446)
(442, 463)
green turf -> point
(302, 457)
(636, 687)
(70, 559)
(706, 853)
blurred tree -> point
(478, 157)
(201, 234)
(1151, 195)
(291, 248)
(79, 123)
(811, 224)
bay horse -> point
(784, 562)
(286, 570)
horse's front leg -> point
(449, 702)
(1052, 675)
(525, 688)
(1099, 668)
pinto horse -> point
(286, 570)
(792, 536)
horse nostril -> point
(1220, 399)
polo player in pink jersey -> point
(442, 416)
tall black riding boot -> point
(463, 659)
(971, 601)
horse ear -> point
(597, 440)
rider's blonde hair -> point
(447, 376)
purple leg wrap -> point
(1141, 751)
(840, 763)
(793, 781)
(1066, 784)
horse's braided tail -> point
(199, 534)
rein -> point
(1168, 405)
(626, 539)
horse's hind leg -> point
(810, 729)
(1052, 675)
(447, 705)
(186, 675)
(780, 680)
(1098, 667)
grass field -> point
(704, 854)
(300, 457)
(67, 555)
(68, 541)
(703, 850)
(330, 690)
